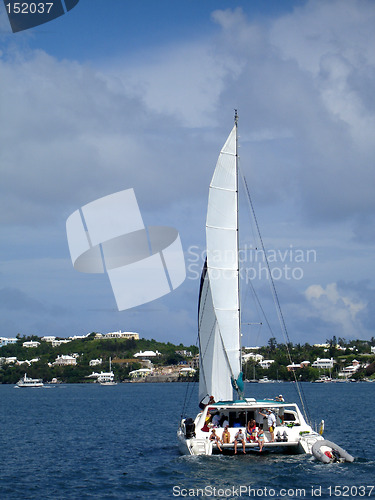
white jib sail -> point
(219, 334)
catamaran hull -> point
(204, 447)
(292, 436)
(200, 447)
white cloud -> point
(334, 307)
(303, 84)
(185, 81)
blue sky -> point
(99, 29)
(119, 94)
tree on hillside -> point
(272, 344)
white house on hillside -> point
(251, 355)
(147, 354)
(348, 371)
(323, 363)
(266, 363)
(95, 362)
(31, 343)
(57, 343)
(122, 335)
(142, 372)
(65, 360)
(6, 341)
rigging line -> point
(261, 308)
(188, 399)
(275, 296)
(193, 384)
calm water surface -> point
(119, 442)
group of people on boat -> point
(254, 432)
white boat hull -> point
(29, 382)
(294, 436)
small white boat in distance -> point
(266, 380)
(30, 382)
(107, 378)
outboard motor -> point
(189, 428)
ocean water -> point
(119, 442)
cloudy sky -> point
(117, 95)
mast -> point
(238, 243)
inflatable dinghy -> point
(328, 452)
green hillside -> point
(120, 350)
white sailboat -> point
(107, 378)
(219, 324)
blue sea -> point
(119, 442)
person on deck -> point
(271, 421)
(260, 438)
(280, 399)
(216, 419)
(214, 437)
(226, 435)
(251, 430)
(239, 438)
(224, 421)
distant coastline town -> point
(82, 359)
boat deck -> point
(255, 446)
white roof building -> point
(348, 371)
(12, 359)
(296, 366)
(187, 371)
(251, 355)
(266, 363)
(184, 352)
(65, 360)
(323, 363)
(27, 362)
(122, 335)
(142, 372)
(48, 338)
(293, 366)
(31, 343)
(95, 362)
(147, 354)
(6, 341)
(57, 343)
(79, 337)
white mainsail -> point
(219, 315)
